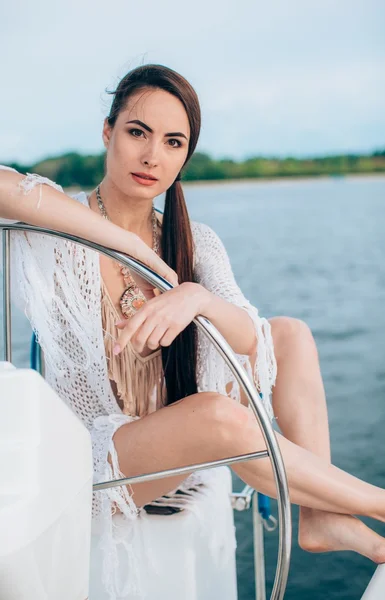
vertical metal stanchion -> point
(7, 335)
(259, 554)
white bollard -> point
(45, 492)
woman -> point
(69, 293)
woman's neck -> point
(132, 214)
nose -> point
(150, 155)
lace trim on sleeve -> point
(26, 185)
(33, 179)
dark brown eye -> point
(177, 141)
(132, 132)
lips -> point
(145, 176)
(143, 179)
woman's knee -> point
(287, 331)
(220, 414)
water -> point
(314, 250)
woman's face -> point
(132, 148)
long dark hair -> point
(178, 359)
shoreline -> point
(293, 179)
(264, 180)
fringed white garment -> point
(56, 283)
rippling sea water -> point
(315, 250)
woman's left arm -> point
(225, 305)
(232, 322)
(236, 318)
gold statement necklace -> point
(132, 298)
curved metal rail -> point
(273, 450)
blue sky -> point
(283, 78)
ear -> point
(106, 133)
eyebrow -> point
(174, 134)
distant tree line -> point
(86, 171)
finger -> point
(153, 341)
(173, 278)
(121, 324)
(158, 265)
(139, 250)
(167, 273)
(169, 336)
(128, 330)
(139, 339)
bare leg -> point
(208, 427)
(313, 483)
(300, 407)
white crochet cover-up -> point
(56, 283)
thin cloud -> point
(279, 78)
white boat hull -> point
(45, 492)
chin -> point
(142, 191)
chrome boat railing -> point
(273, 450)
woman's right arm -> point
(45, 206)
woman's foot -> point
(321, 531)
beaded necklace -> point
(132, 298)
